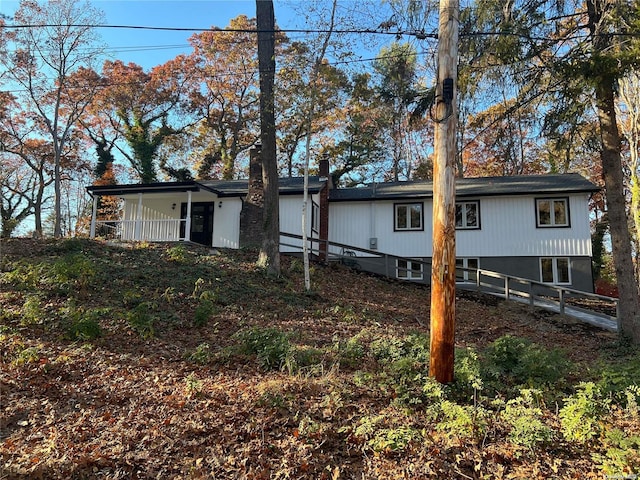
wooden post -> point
(443, 273)
(94, 213)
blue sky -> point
(149, 48)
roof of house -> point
(223, 188)
(465, 187)
(470, 187)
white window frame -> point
(408, 207)
(555, 270)
(463, 207)
(552, 213)
(408, 271)
(463, 262)
(315, 217)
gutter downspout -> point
(94, 211)
(187, 227)
(138, 227)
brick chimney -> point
(253, 204)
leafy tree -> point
(577, 52)
(293, 102)
(360, 152)
(138, 105)
(59, 42)
(223, 95)
(629, 115)
(396, 66)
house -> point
(534, 227)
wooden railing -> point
(508, 286)
(164, 230)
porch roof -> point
(222, 188)
(555, 184)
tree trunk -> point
(270, 250)
(629, 303)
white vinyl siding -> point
(509, 230)
(355, 223)
(291, 220)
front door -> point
(201, 222)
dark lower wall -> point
(523, 267)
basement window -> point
(555, 270)
(408, 270)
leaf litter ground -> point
(134, 403)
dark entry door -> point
(201, 222)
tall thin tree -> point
(270, 250)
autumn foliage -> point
(167, 361)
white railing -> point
(165, 230)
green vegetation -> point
(205, 349)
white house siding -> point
(226, 223)
(508, 229)
(356, 223)
(291, 220)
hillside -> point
(160, 361)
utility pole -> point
(443, 273)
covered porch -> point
(168, 212)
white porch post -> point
(138, 227)
(187, 227)
(94, 210)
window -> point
(408, 270)
(315, 217)
(465, 269)
(408, 216)
(555, 270)
(467, 215)
(552, 212)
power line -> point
(415, 33)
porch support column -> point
(187, 227)
(138, 227)
(94, 211)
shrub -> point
(141, 320)
(27, 355)
(82, 324)
(202, 354)
(621, 454)
(204, 311)
(467, 375)
(463, 422)
(73, 272)
(516, 361)
(177, 253)
(405, 363)
(379, 434)
(32, 312)
(270, 345)
(350, 352)
(525, 419)
(580, 416)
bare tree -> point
(54, 40)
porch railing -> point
(163, 230)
